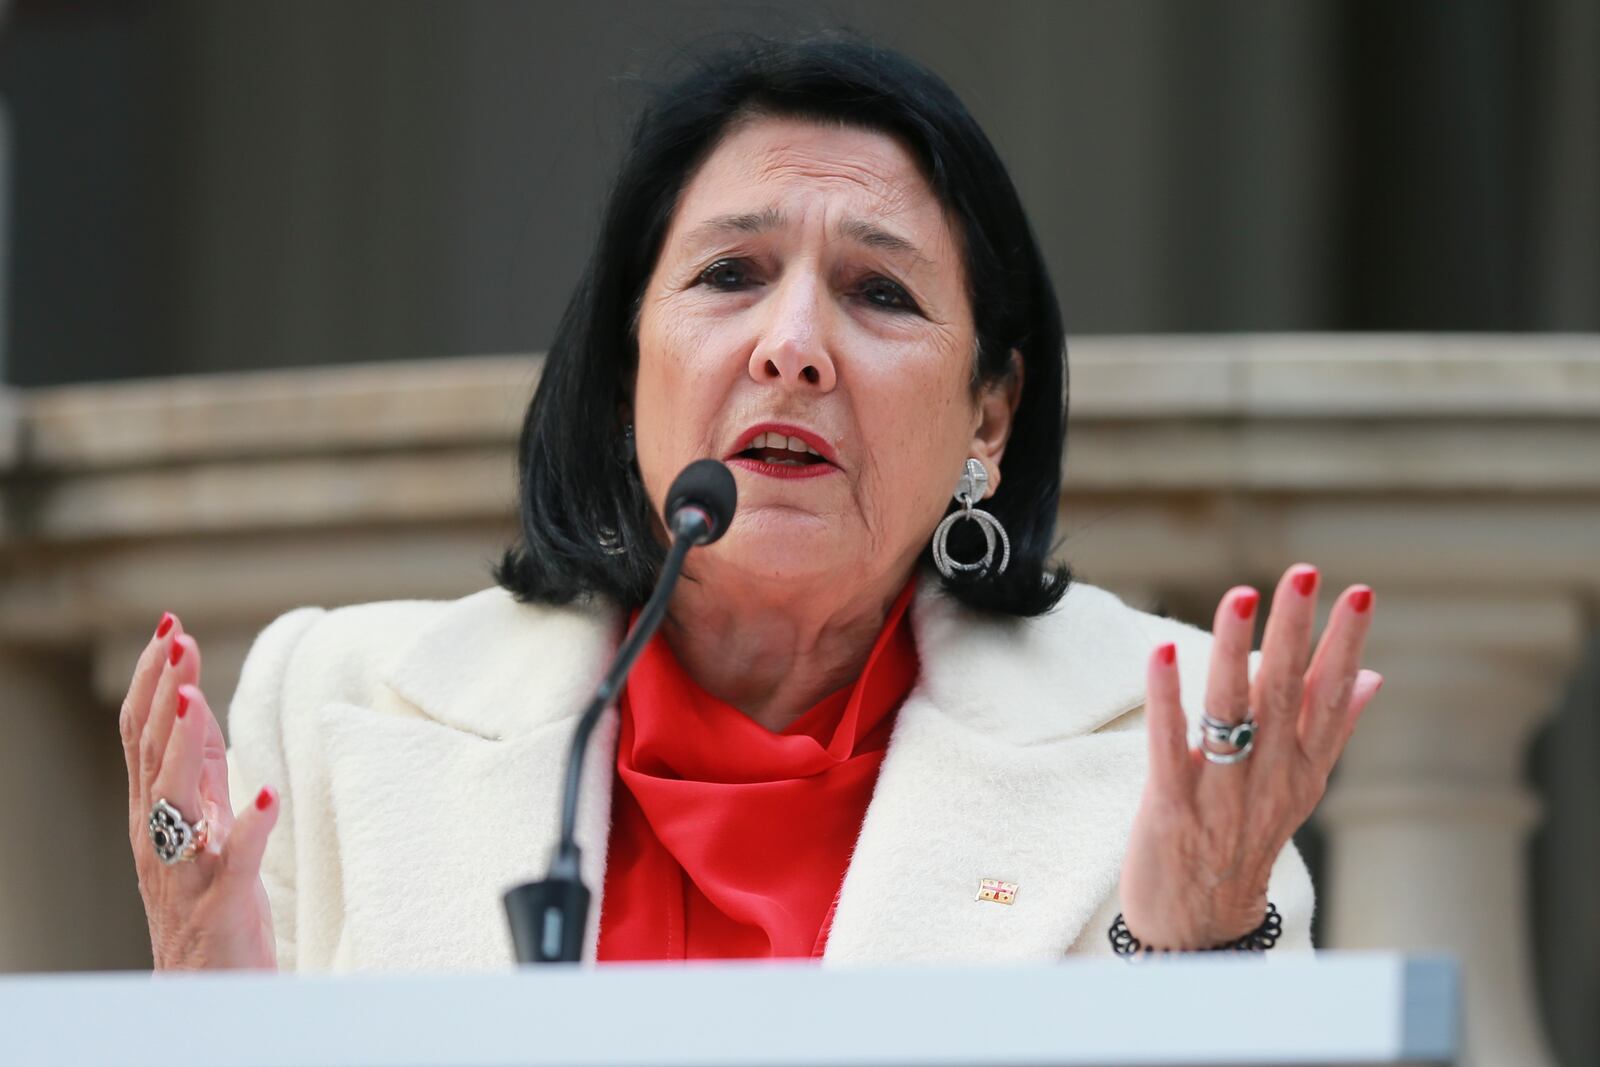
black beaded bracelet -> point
(1263, 937)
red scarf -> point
(729, 841)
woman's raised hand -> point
(209, 910)
(1207, 833)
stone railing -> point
(1458, 476)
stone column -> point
(1428, 818)
(68, 895)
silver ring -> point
(1240, 737)
(175, 839)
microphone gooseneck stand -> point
(548, 919)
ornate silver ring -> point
(175, 838)
(1238, 737)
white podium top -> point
(1331, 1009)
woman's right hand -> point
(210, 911)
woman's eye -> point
(726, 274)
(886, 294)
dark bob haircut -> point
(587, 526)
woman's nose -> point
(793, 347)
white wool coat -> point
(418, 747)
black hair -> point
(587, 525)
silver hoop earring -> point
(974, 481)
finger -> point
(242, 851)
(1285, 649)
(136, 704)
(1233, 632)
(182, 666)
(1166, 725)
(214, 776)
(178, 777)
(1362, 693)
(1330, 680)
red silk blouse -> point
(730, 841)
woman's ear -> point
(997, 411)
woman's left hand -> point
(1207, 834)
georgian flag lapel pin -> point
(996, 890)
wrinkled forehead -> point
(776, 171)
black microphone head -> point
(707, 485)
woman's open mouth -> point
(780, 455)
(781, 449)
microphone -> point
(548, 918)
(701, 501)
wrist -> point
(1259, 938)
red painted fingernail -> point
(1361, 599)
(183, 703)
(1168, 653)
(167, 619)
(1305, 581)
(265, 798)
(177, 653)
(1244, 605)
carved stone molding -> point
(1460, 476)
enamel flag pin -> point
(996, 890)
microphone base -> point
(548, 920)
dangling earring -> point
(974, 482)
(610, 540)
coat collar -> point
(498, 669)
(989, 672)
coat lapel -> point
(995, 771)
(438, 815)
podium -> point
(1330, 1009)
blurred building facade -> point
(205, 186)
(230, 190)
(1459, 475)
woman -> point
(876, 725)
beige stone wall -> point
(1458, 475)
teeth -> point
(778, 440)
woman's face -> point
(810, 292)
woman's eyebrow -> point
(862, 231)
(769, 218)
(874, 236)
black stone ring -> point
(1239, 737)
(175, 839)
